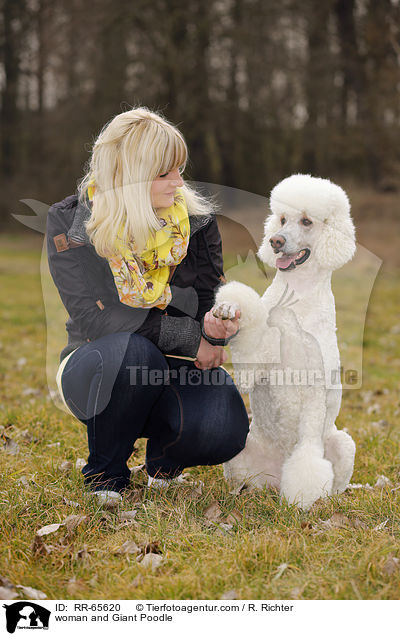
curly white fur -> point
(286, 353)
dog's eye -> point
(283, 220)
(306, 222)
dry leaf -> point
(21, 362)
(39, 547)
(238, 489)
(229, 595)
(381, 526)
(374, 408)
(127, 515)
(8, 593)
(213, 511)
(391, 565)
(73, 521)
(65, 466)
(53, 527)
(225, 528)
(28, 437)
(380, 424)
(367, 486)
(129, 547)
(94, 580)
(10, 446)
(234, 517)
(138, 580)
(382, 482)
(83, 553)
(152, 547)
(80, 463)
(280, 570)
(152, 561)
(71, 503)
(357, 523)
(137, 469)
(75, 586)
(306, 525)
(5, 582)
(31, 593)
(338, 520)
(198, 487)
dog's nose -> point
(277, 242)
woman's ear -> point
(265, 252)
(336, 245)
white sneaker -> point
(107, 498)
(155, 482)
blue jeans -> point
(122, 387)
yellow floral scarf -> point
(142, 280)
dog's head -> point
(310, 221)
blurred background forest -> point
(260, 88)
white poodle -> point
(286, 355)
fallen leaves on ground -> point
(83, 553)
(7, 589)
(382, 482)
(391, 565)
(152, 561)
(39, 547)
(53, 527)
(129, 547)
(65, 466)
(381, 526)
(337, 521)
(75, 586)
(31, 593)
(229, 595)
(73, 521)
(213, 511)
(280, 570)
(9, 445)
(213, 517)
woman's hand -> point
(208, 356)
(217, 328)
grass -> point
(267, 550)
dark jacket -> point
(87, 289)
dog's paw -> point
(225, 310)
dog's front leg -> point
(246, 345)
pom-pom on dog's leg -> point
(306, 475)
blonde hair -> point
(130, 152)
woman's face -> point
(164, 187)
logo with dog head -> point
(26, 615)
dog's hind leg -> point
(306, 474)
(340, 450)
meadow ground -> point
(205, 541)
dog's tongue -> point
(286, 260)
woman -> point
(136, 259)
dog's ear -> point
(265, 252)
(336, 245)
